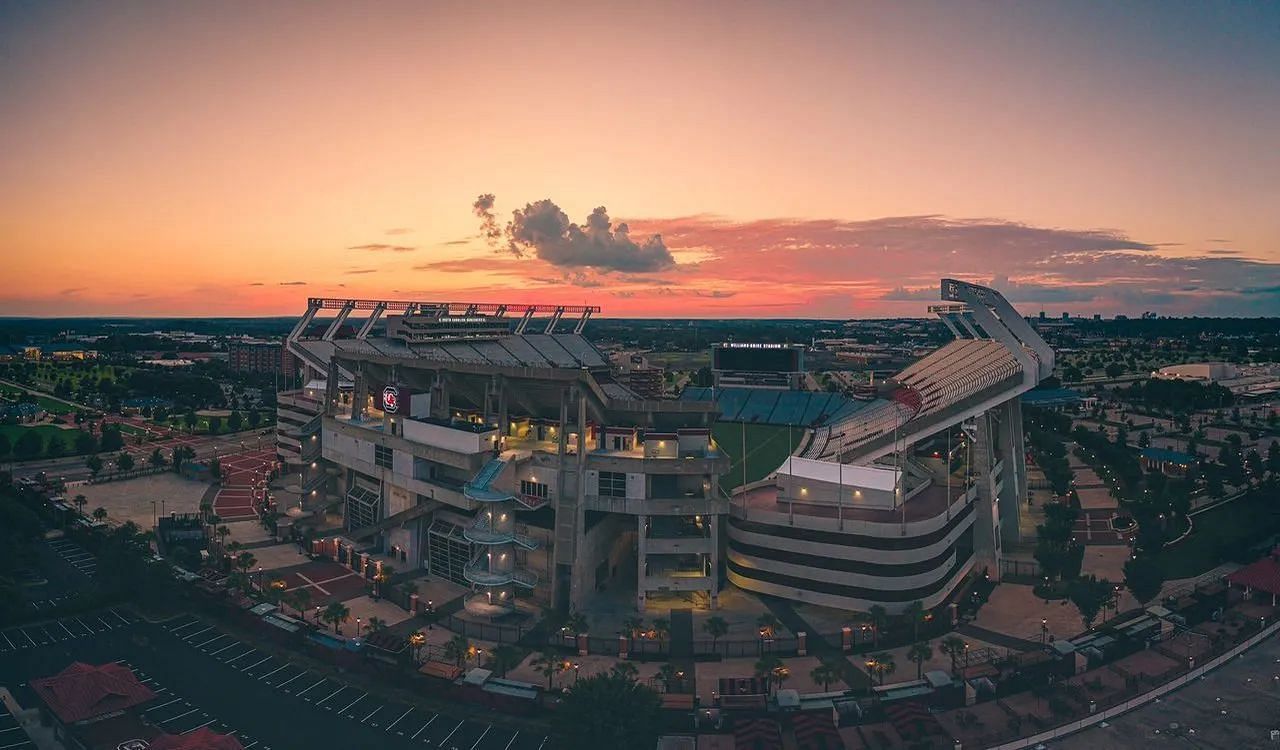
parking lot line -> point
(256, 663)
(219, 636)
(117, 614)
(370, 716)
(322, 679)
(184, 626)
(64, 627)
(424, 726)
(224, 648)
(291, 679)
(188, 638)
(352, 703)
(162, 705)
(207, 723)
(240, 656)
(481, 737)
(105, 624)
(397, 721)
(28, 635)
(455, 729)
(511, 741)
(6, 640)
(179, 716)
(277, 669)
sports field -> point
(767, 446)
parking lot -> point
(409, 726)
(64, 629)
(176, 715)
(75, 556)
(12, 735)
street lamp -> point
(1044, 630)
(357, 627)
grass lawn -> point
(1223, 533)
(767, 448)
(54, 406)
(15, 431)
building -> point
(1204, 372)
(1169, 462)
(95, 706)
(635, 372)
(897, 497)
(261, 356)
(512, 461)
(502, 457)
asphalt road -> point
(207, 677)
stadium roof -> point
(536, 350)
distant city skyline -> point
(766, 159)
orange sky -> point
(797, 160)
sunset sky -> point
(796, 159)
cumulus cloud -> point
(543, 230)
(380, 247)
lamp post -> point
(1044, 630)
(357, 627)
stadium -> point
(483, 444)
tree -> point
(80, 501)
(124, 462)
(6, 445)
(632, 626)
(111, 439)
(1089, 594)
(765, 669)
(245, 561)
(29, 445)
(769, 624)
(626, 670)
(548, 664)
(825, 673)
(222, 532)
(881, 664)
(215, 469)
(255, 419)
(94, 464)
(661, 628)
(1144, 439)
(914, 613)
(215, 424)
(952, 646)
(503, 658)
(301, 600)
(85, 443)
(335, 613)
(182, 453)
(717, 628)
(376, 624)
(157, 458)
(235, 421)
(878, 616)
(609, 711)
(1143, 576)
(1273, 456)
(457, 648)
(1252, 462)
(920, 653)
(99, 514)
(577, 623)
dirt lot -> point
(130, 500)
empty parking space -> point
(75, 556)
(12, 735)
(177, 715)
(64, 629)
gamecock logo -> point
(390, 399)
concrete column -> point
(359, 394)
(1014, 493)
(714, 523)
(641, 544)
(802, 648)
(985, 554)
(504, 425)
(624, 644)
(846, 639)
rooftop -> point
(85, 691)
(928, 503)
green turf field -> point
(15, 431)
(767, 447)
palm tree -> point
(920, 653)
(300, 599)
(882, 664)
(548, 664)
(80, 501)
(769, 625)
(417, 639)
(661, 628)
(625, 669)
(764, 669)
(826, 673)
(245, 560)
(336, 613)
(99, 514)
(458, 648)
(376, 624)
(914, 614)
(668, 674)
(717, 628)
(632, 625)
(503, 658)
(878, 616)
(952, 646)
(206, 507)
(577, 623)
(222, 532)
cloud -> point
(399, 230)
(1224, 251)
(74, 290)
(360, 270)
(379, 247)
(257, 283)
(544, 231)
(456, 242)
(293, 283)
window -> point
(613, 484)
(534, 489)
(382, 456)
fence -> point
(1140, 700)
(131, 474)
